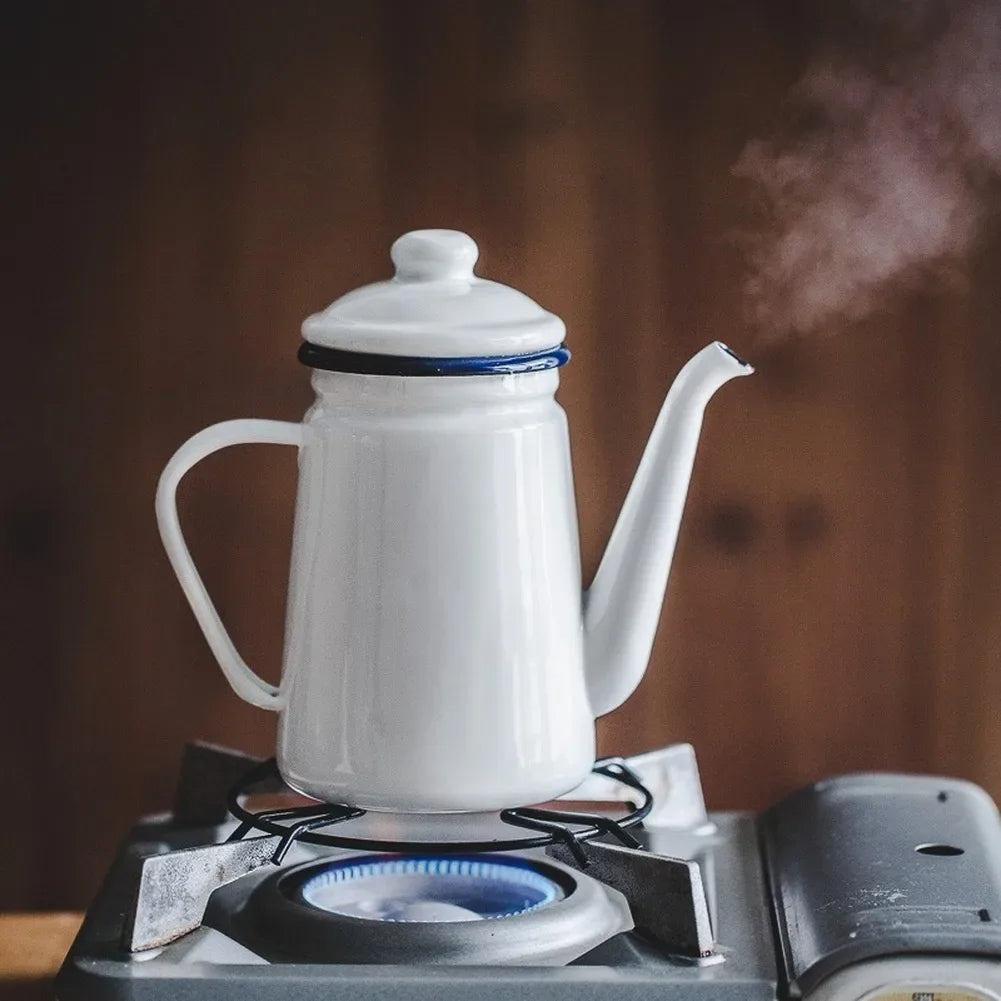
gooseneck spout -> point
(622, 606)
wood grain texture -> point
(185, 183)
(33, 946)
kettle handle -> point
(244, 682)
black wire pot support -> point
(549, 826)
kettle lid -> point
(435, 307)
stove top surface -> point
(850, 888)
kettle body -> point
(433, 654)
(433, 657)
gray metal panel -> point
(389, 983)
(850, 883)
(665, 894)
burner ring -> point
(281, 923)
(554, 826)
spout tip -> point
(746, 365)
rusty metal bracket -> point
(174, 887)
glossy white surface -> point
(624, 601)
(438, 652)
(433, 651)
(433, 657)
(245, 683)
(435, 307)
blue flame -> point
(485, 887)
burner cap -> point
(429, 889)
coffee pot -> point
(440, 652)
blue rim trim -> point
(336, 360)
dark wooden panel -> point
(185, 184)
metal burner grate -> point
(304, 823)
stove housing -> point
(879, 886)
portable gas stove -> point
(884, 887)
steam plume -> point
(882, 173)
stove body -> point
(880, 887)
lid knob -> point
(434, 254)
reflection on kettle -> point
(440, 653)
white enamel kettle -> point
(440, 653)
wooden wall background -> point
(183, 183)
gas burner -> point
(305, 823)
(448, 910)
